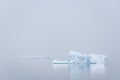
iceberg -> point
(76, 57)
(79, 58)
(95, 58)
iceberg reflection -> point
(98, 69)
(83, 71)
(79, 71)
(59, 66)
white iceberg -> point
(76, 57)
(95, 58)
(79, 58)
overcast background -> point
(53, 27)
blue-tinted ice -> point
(79, 58)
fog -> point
(53, 27)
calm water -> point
(43, 69)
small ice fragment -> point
(35, 57)
(60, 62)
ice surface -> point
(60, 62)
(35, 57)
(95, 58)
(76, 57)
(79, 58)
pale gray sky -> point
(53, 27)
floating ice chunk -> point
(76, 57)
(79, 58)
(60, 62)
(35, 57)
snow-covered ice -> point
(95, 58)
(76, 57)
(79, 58)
